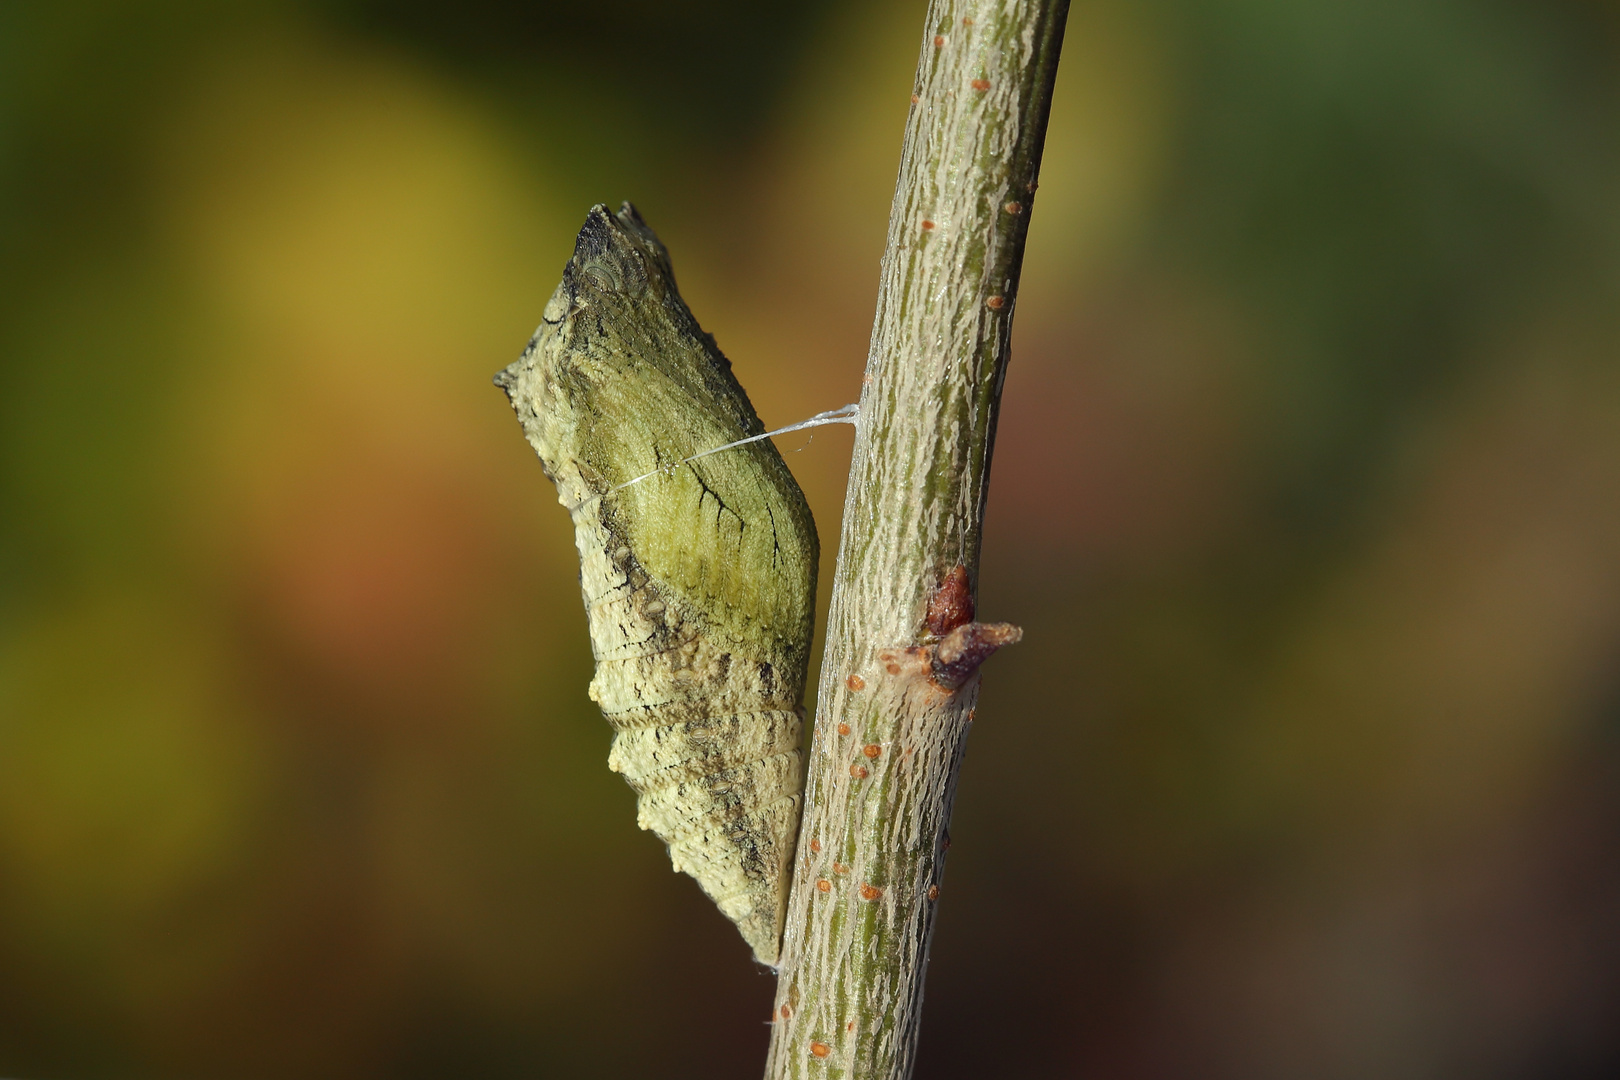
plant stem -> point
(899, 678)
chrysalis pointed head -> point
(617, 285)
(617, 262)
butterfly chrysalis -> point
(699, 575)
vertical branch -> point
(899, 678)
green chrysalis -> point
(699, 579)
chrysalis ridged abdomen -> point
(699, 579)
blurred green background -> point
(1307, 496)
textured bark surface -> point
(900, 676)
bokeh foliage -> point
(1307, 495)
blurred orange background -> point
(1307, 496)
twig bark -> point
(899, 678)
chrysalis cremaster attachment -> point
(699, 582)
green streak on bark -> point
(849, 993)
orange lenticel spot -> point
(967, 21)
(824, 885)
(927, 225)
(870, 892)
(939, 41)
(980, 84)
(843, 729)
(786, 1012)
(839, 868)
(815, 845)
(1015, 208)
(858, 772)
(820, 1049)
(933, 894)
(850, 1026)
(871, 750)
(915, 99)
(892, 669)
(856, 683)
(996, 303)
